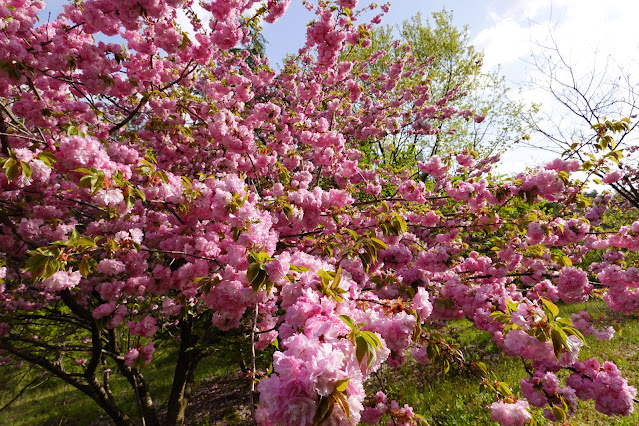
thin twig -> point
(253, 369)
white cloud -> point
(580, 28)
(185, 22)
(588, 33)
(205, 16)
(503, 43)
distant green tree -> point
(456, 66)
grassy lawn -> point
(56, 403)
(454, 398)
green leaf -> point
(421, 420)
(558, 338)
(297, 268)
(86, 266)
(366, 259)
(85, 171)
(12, 171)
(574, 332)
(353, 234)
(72, 131)
(342, 384)
(325, 276)
(554, 310)
(372, 339)
(399, 223)
(341, 400)
(559, 413)
(324, 409)
(26, 169)
(337, 279)
(504, 389)
(185, 41)
(566, 321)
(257, 276)
(349, 322)
(361, 348)
(36, 265)
(379, 244)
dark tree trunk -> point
(184, 375)
(138, 384)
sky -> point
(589, 33)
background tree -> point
(591, 115)
(454, 72)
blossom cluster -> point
(171, 188)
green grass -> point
(54, 402)
(454, 398)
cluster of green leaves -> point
(366, 342)
(392, 224)
(237, 201)
(606, 143)
(148, 167)
(329, 284)
(12, 167)
(131, 193)
(366, 248)
(206, 283)
(439, 350)
(549, 326)
(190, 193)
(326, 404)
(78, 251)
(256, 273)
(46, 261)
(93, 179)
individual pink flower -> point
(111, 267)
(131, 356)
(421, 304)
(145, 328)
(433, 166)
(62, 280)
(103, 310)
(612, 177)
(147, 352)
(170, 307)
(510, 414)
(573, 285)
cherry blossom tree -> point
(170, 191)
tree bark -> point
(188, 358)
(137, 382)
(96, 393)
